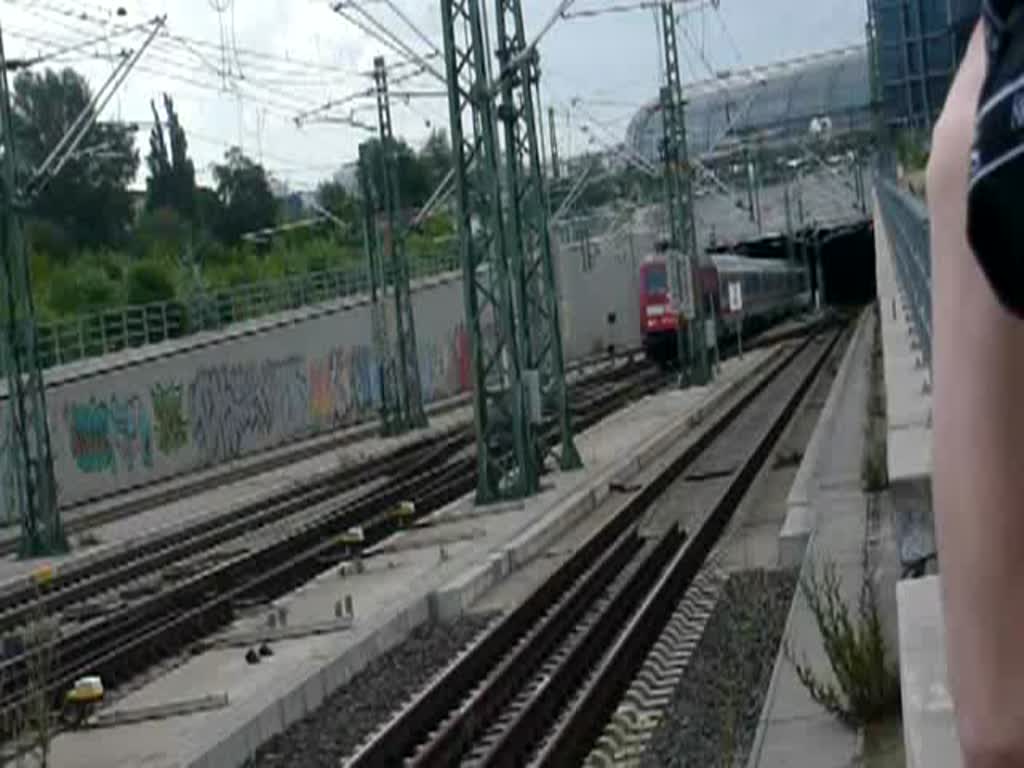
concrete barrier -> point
(800, 518)
(140, 416)
(455, 597)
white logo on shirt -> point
(1017, 115)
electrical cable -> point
(61, 51)
(387, 38)
(280, 108)
(261, 59)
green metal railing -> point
(100, 333)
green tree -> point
(148, 282)
(413, 179)
(333, 196)
(172, 176)
(161, 232)
(88, 199)
(436, 157)
(245, 196)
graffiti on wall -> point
(235, 406)
(343, 387)
(227, 410)
(109, 435)
(169, 416)
(445, 367)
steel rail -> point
(124, 642)
(427, 730)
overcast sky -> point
(294, 55)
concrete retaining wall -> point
(140, 416)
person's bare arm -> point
(978, 478)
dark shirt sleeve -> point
(995, 199)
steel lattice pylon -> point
(408, 386)
(506, 466)
(27, 451)
(390, 414)
(530, 247)
(679, 195)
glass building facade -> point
(775, 104)
(917, 44)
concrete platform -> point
(827, 522)
(436, 569)
(801, 511)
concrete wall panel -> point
(133, 419)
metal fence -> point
(100, 333)
(906, 221)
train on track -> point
(771, 290)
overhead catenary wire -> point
(188, 67)
(255, 58)
(14, 63)
(642, 5)
(58, 157)
(386, 37)
(277, 107)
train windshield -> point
(656, 279)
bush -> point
(82, 289)
(161, 232)
(867, 687)
(111, 263)
(46, 237)
(148, 282)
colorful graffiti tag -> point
(225, 411)
(445, 367)
(110, 435)
(236, 407)
(344, 387)
(169, 415)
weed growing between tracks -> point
(867, 685)
(715, 709)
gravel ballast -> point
(717, 704)
(359, 707)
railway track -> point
(78, 520)
(540, 684)
(248, 555)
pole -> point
(26, 451)
(528, 224)
(409, 386)
(680, 192)
(755, 166)
(503, 432)
(555, 170)
(820, 295)
(390, 415)
(790, 255)
(739, 332)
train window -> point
(656, 279)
